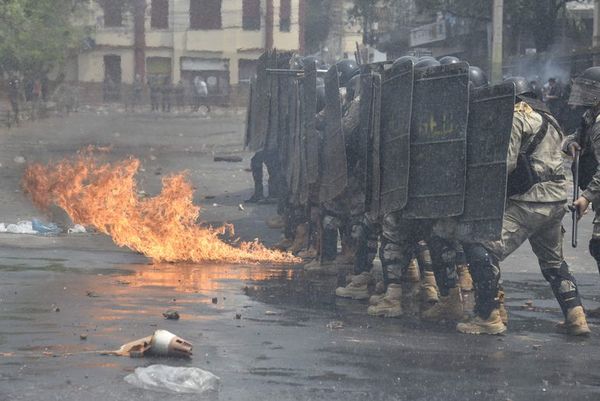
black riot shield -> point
(271, 142)
(260, 117)
(309, 110)
(296, 145)
(334, 166)
(370, 122)
(396, 110)
(438, 142)
(249, 111)
(488, 138)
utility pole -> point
(497, 32)
(139, 20)
(596, 37)
(269, 26)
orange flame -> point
(164, 228)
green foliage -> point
(36, 35)
(366, 12)
(317, 24)
(537, 17)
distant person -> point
(14, 89)
(554, 97)
(154, 93)
(200, 94)
(36, 98)
(180, 95)
(166, 90)
(137, 92)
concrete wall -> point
(231, 43)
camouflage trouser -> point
(596, 230)
(399, 238)
(541, 224)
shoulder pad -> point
(523, 108)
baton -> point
(287, 72)
(574, 210)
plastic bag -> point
(77, 229)
(45, 228)
(171, 379)
(22, 227)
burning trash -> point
(164, 228)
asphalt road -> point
(281, 348)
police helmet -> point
(449, 60)
(427, 63)
(347, 69)
(404, 59)
(523, 87)
(477, 77)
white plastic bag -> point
(22, 227)
(171, 379)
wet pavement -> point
(293, 340)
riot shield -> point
(370, 105)
(396, 110)
(296, 144)
(488, 137)
(260, 118)
(271, 142)
(309, 110)
(438, 142)
(334, 166)
(249, 111)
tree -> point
(317, 24)
(366, 12)
(538, 17)
(36, 35)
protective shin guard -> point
(359, 237)
(424, 257)
(595, 250)
(486, 277)
(329, 241)
(444, 264)
(564, 286)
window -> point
(285, 15)
(205, 14)
(113, 13)
(159, 18)
(251, 15)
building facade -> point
(219, 40)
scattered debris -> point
(230, 159)
(537, 347)
(335, 325)
(178, 380)
(215, 300)
(241, 207)
(171, 315)
(77, 229)
(238, 316)
(83, 336)
(209, 197)
(19, 159)
(92, 294)
(161, 343)
(529, 303)
(55, 308)
(272, 313)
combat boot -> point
(502, 308)
(275, 222)
(429, 289)
(284, 244)
(300, 238)
(465, 281)
(492, 325)
(358, 287)
(411, 274)
(448, 308)
(575, 324)
(317, 266)
(390, 305)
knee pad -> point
(595, 248)
(331, 223)
(557, 275)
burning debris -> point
(164, 228)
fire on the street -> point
(164, 228)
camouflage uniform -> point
(535, 215)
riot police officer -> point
(534, 212)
